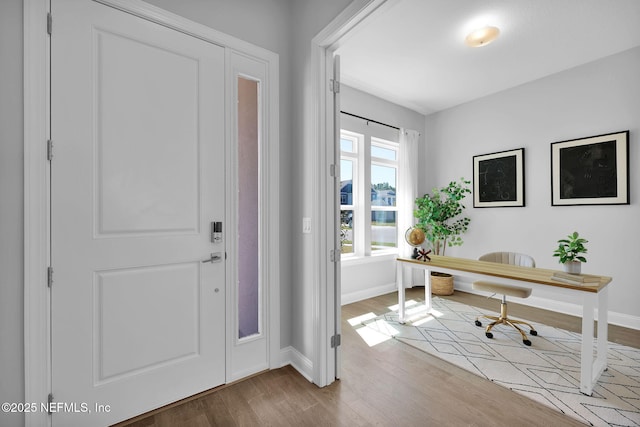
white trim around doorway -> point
(325, 306)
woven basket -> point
(441, 283)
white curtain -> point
(407, 186)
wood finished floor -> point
(390, 384)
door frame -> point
(37, 255)
(326, 300)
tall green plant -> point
(439, 215)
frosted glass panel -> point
(248, 213)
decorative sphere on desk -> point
(414, 236)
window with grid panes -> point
(368, 185)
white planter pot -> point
(572, 267)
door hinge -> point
(334, 86)
(333, 255)
(49, 276)
(49, 23)
(49, 150)
(332, 170)
(49, 401)
(336, 340)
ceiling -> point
(412, 52)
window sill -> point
(353, 260)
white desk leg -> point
(602, 342)
(586, 351)
(400, 283)
(603, 324)
(427, 289)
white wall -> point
(365, 278)
(593, 99)
(11, 212)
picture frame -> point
(498, 179)
(591, 171)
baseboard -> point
(302, 364)
(619, 319)
(367, 293)
(291, 356)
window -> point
(368, 184)
(384, 176)
(348, 164)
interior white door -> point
(137, 120)
(337, 292)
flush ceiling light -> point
(482, 36)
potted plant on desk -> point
(440, 216)
(569, 250)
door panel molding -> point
(115, 327)
(151, 65)
(36, 183)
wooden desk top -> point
(515, 272)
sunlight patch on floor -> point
(361, 319)
(416, 312)
(376, 332)
(407, 304)
(424, 317)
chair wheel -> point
(489, 334)
(526, 342)
(478, 323)
(534, 333)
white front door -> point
(137, 123)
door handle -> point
(215, 257)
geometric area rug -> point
(548, 371)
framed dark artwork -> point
(591, 171)
(498, 179)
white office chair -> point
(498, 288)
